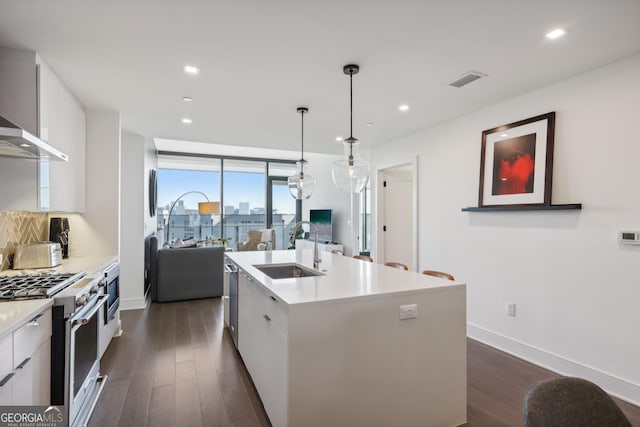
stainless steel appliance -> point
(16, 142)
(232, 271)
(76, 382)
(111, 285)
(76, 314)
(37, 255)
(35, 285)
(59, 232)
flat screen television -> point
(323, 219)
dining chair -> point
(569, 401)
(399, 265)
(440, 274)
(363, 257)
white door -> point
(398, 228)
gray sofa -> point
(184, 273)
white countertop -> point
(14, 313)
(343, 277)
(88, 264)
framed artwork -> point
(516, 163)
(153, 192)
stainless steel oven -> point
(76, 382)
(111, 284)
(84, 365)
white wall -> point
(138, 156)
(96, 231)
(576, 289)
(327, 196)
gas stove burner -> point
(26, 286)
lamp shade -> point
(205, 208)
(351, 173)
(301, 185)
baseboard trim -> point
(133, 304)
(618, 387)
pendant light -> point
(351, 173)
(301, 184)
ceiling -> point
(259, 60)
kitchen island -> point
(332, 349)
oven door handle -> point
(83, 320)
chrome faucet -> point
(316, 258)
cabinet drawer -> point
(28, 338)
(267, 305)
(6, 356)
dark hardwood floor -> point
(175, 365)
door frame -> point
(269, 207)
(379, 208)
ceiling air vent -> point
(471, 76)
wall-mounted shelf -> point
(570, 206)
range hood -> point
(17, 142)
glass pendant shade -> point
(301, 185)
(351, 173)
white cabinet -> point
(25, 363)
(6, 370)
(32, 96)
(63, 125)
(352, 361)
(262, 326)
(326, 247)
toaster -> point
(37, 255)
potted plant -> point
(223, 241)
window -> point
(253, 195)
(365, 219)
(283, 211)
(196, 182)
(244, 185)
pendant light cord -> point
(351, 106)
(351, 139)
(302, 136)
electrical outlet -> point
(408, 311)
(510, 309)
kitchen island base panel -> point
(356, 363)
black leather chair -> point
(571, 402)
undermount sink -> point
(287, 271)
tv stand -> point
(328, 247)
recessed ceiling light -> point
(558, 32)
(187, 120)
(24, 144)
(339, 138)
(190, 69)
(368, 124)
(187, 99)
(404, 107)
(504, 135)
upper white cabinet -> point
(63, 125)
(32, 96)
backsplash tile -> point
(18, 228)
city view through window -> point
(242, 204)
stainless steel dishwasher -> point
(232, 270)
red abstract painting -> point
(514, 165)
